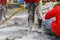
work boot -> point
(40, 23)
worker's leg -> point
(0, 14)
(4, 11)
(33, 12)
(29, 13)
(48, 26)
(39, 17)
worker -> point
(47, 7)
(4, 7)
(32, 4)
(39, 16)
(53, 26)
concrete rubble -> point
(17, 29)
